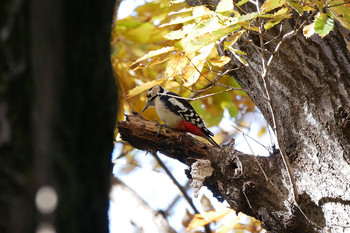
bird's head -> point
(152, 95)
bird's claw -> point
(155, 121)
(160, 126)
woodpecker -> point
(177, 113)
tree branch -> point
(141, 134)
(237, 178)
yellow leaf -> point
(178, 34)
(272, 4)
(177, 20)
(153, 57)
(224, 6)
(340, 10)
(229, 225)
(191, 75)
(262, 131)
(200, 11)
(144, 87)
(296, 5)
(207, 26)
(233, 38)
(183, 10)
(200, 220)
(197, 12)
(175, 65)
(283, 13)
(235, 52)
(220, 61)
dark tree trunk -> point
(57, 113)
(305, 97)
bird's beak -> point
(147, 105)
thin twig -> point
(179, 186)
(276, 126)
(250, 205)
(244, 134)
(205, 96)
(198, 70)
(256, 160)
(265, 67)
(175, 200)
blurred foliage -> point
(222, 221)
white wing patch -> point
(175, 102)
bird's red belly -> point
(186, 126)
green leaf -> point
(232, 110)
(225, 100)
(324, 24)
(197, 105)
(242, 2)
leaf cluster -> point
(170, 45)
(224, 221)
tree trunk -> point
(305, 97)
(57, 113)
(310, 95)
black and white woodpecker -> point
(177, 113)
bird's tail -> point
(212, 141)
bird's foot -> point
(160, 126)
(155, 121)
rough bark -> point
(310, 93)
(57, 113)
(309, 86)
